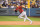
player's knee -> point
(18, 16)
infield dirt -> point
(19, 23)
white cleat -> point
(31, 22)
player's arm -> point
(16, 9)
(23, 6)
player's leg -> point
(20, 16)
(27, 18)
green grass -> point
(15, 18)
(19, 25)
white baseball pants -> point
(24, 14)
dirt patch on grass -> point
(19, 23)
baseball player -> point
(23, 13)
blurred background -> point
(32, 6)
(12, 3)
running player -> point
(23, 13)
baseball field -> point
(14, 21)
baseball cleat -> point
(31, 22)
